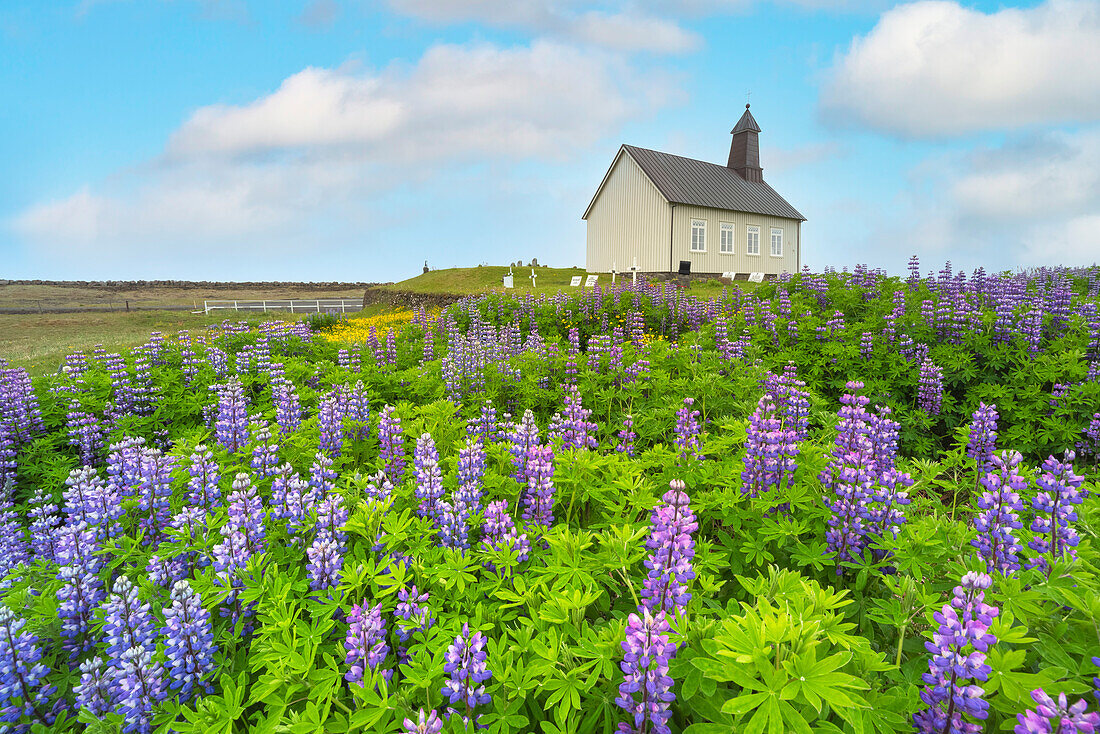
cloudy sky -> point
(354, 139)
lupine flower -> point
(189, 643)
(231, 428)
(392, 445)
(93, 692)
(1060, 491)
(1000, 504)
(85, 433)
(770, 450)
(455, 525)
(1057, 717)
(265, 454)
(202, 488)
(24, 691)
(429, 479)
(500, 533)
(671, 552)
(983, 437)
(467, 665)
(78, 598)
(958, 650)
(77, 546)
(155, 491)
(425, 724)
(521, 437)
(130, 632)
(325, 561)
(288, 409)
(930, 387)
(572, 425)
(365, 642)
(44, 523)
(14, 550)
(322, 477)
(627, 436)
(413, 612)
(538, 497)
(646, 690)
(330, 422)
(687, 430)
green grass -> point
(488, 279)
(39, 342)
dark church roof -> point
(747, 122)
(698, 183)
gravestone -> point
(590, 281)
(756, 277)
(574, 281)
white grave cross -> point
(533, 276)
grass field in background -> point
(40, 342)
(56, 296)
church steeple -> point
(745, 148)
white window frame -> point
(750, 230)
(701, 226)
(776, 231)
(725, 232)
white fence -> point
(301, 305)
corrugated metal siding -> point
(739, 262)
(628, 219)
(698, 183)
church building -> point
(666, 214)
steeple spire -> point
(745, 148)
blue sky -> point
(352, 140)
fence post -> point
(343, 306)
(265, 306)
(205, 308)
(235, 306)
(292, 305)
(318, 305)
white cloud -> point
(319, 14)
(1033, 201)
(935, 68)
(317, 153)
(457, 102)
(625, 28)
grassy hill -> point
(487, 279)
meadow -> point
(840, 502)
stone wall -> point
(186, 284)
(409, 299)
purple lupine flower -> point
(521, 437)
(202, 487)
(467, 496)
(76, 546)
(93, 692)
(45, 521)
(231, 427)
(538, 496)
(124, 465)
(86, 433)
(1000, 504)
(501, 535)
(356, 411)
(1057, 717)
(930, 387)
(885, 515)
(164, 569)
(14, 550)
(391, 445)
(687, 430)
(265, 454)
(155, 491)
(467, 665)
(983, 437)
(572, 425)
(292, 498)
(646, 690)
(365, 642)
(1060, 491)
(81, 594)
(627, 436)
(24, 690)
(958, 650)
(414, 614)
(137, 681)
(242, 538)
(770, 450)
(288, 409)
(322, 477)
(485, 425)
(189, 643)
(671, 552)
(429, 723)
(330, 423)
(429, 479)
(325, 563)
